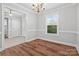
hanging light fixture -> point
(38, 7)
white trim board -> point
(72, 32)
(65, 43)
(1, 49)
(19, 43)
(69, 44)
(30, 40)
(77, 47)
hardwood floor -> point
(40, 48)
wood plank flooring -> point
(40, 47)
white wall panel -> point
(67, 22)
(0, 25)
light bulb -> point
(10, 14)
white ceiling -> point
(46, 5)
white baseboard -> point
(1, 49)
(70, 44)
(65, 43)
(77, 47)
(30, 39)
(19, 43)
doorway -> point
(6, 27)
(13, 27)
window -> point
(52, 24)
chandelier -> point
(38, 7)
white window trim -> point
(57, 26)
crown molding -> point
(18, 7)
